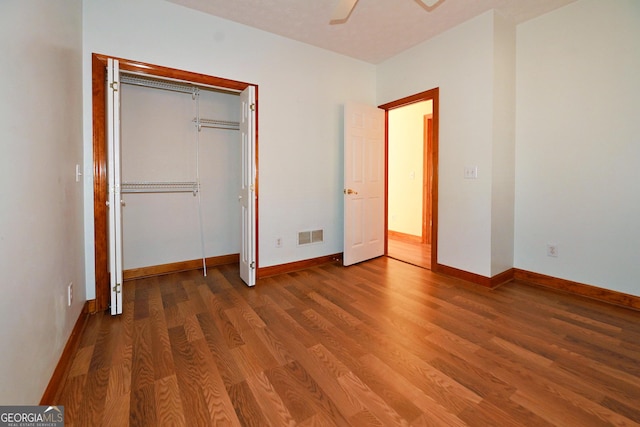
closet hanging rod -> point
(157, 84)
(217, 124)
(175, 85)
(160, 187)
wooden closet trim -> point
(98, 79)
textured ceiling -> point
(375, 31)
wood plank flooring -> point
(382, 343)
(412, 252)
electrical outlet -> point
(278, 242)
(471, 172)
(69, 294)
(552, 249)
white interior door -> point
(114, 177)
(363, 183)
(247, 195)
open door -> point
(364, 174)
(114, 178)
(247, 195)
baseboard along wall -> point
(575, 288)
(64, 363)
(176, 267)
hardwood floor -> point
(381, 343)
(415, 253)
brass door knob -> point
(349, 191)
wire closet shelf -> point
(200, 123)
(161, 187)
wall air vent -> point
(304, 237)
(308, 237)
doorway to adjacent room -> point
(412, 179)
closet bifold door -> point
(247, 195)
(114, 183)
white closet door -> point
(247, 195)
(115, 196)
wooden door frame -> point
(427, 166)
(429, 95)
(100, 183)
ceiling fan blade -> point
(342, 11)
(429, 4)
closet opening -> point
(185, 177)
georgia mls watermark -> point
(32, 416)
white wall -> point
(576, 92)
(578, 144)
(503, 149)
(159, 143)
(301, 93)
(406, 164)
(41, 249)
(459, 62)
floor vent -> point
(308, 237)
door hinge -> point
(253, 107)
(252, 265)
(117, 288)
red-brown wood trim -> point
(434, 96)
(176, 267)
(464, 275)
(425, 174)
(427, 166)
(173, 73)
(589, 291)
(100, 183)
(99, 63)
(56, 382)
(404, 237)
(502, 278)
(297, 265)
(90, 307)
(487, 282)
(568, 286)
(435, 138)
(412, 99)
